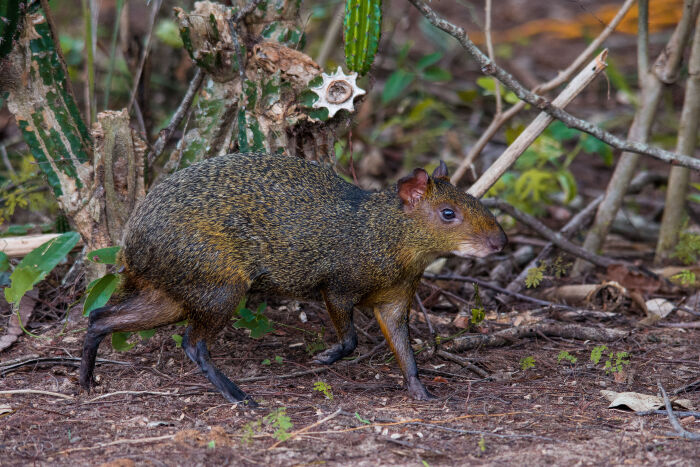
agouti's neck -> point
(403, 239)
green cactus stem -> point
(361, 30)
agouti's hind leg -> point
(208, 314)
(198, 353)
(147, 309)
(341, 315)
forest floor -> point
(154, 407)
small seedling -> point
(178, 340)
(249, 431)
(482, 444)
(362, 420)
(686, 278)
(325, 388)
(615, 361)
(212, 444)
(534, 276)
(478, 313)
(597, 353)
(564, 355)
(278, 418)
(256, 321)
(527, 363)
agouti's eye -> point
(447, 214)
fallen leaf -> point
(641, 402)
(631, 279)
(26, 307)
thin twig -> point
(36, 391)
(537, 126)
(427, 320)
(117, 442)
(483, 283)
(489, 49)
(307, 428)
(147, 47)
(561, 78)
(680, 431)
(643, 40)
(167, 132)
(462, 362)
(116, 393)
(313, 371)
(489, 68)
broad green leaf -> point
(119, 342)
(593, 145)
(99, 293)
(169, 33)
(145, 335)
(104, 255)
(428, 60)
(38, 263)
(178, 340)
(568, 185)
(487, 83)
(561, 132)
(435, 73)
(396, 84)
(4, 262)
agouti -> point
(241, 223)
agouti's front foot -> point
(417, 391)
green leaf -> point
(38, 263)
(169, 33)
(428, 60)
(561, 132)
(593, 145)
(435, 73)
(145, 335)
(567, 182)
(487, 83)
(266, 362)
(4, 262)
(99, 292)
(398, 81)
(361, 419)
(119, 342)
(178, 340)
(104, 255)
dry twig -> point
(489, 68)
(680, 431)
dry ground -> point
(550, 414)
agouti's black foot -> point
(333, 354)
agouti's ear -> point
(413, 187)
(441, 172)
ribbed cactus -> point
(362, 28)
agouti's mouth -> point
(466, 250)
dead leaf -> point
(26, 307)
(631, 279)
(641, 402)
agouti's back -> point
(210, 233)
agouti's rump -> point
(211, 233)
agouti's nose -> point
(497, 241)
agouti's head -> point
(454, 221)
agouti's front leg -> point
(341, 314)
(393, 321)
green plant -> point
(686, 278)
(482, 444)
(404, 75)
(534, 276)
(478, 312)
(362, 419)
(249, 431)
(255, 321)
(362, 28)
(278, 419)
(688, 248)
(614, 362)
(315, 344)
(325, 388)
(24, 188)
(564, 355)
(279, 360)
(527, 363)
(37, 264)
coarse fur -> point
(274, 224)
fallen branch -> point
(680, 431)
(547, 328)
(118, 442)
(489, 68)
(462, 362)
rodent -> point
(239, 223)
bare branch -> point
(147, 47)
(179, 114)
(489, 68)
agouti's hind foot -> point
(198, 353)
(418, 392)
(333, 354)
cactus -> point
(361, 30)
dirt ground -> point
(153, 407)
